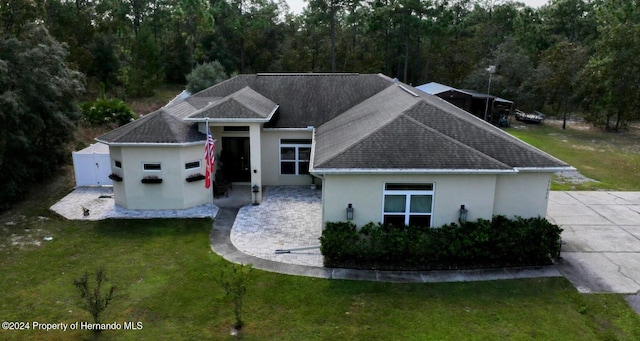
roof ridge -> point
(388, 119)
(250, 105)
(174, 123)
(347, 147)
(267, 74)
(451, 139)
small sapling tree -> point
(94, 301)
(234, 282)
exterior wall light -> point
(255, 189)
(463, 214)
(349, 212)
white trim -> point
(408, 194)
(229, 120)
(310, 128)
(312, 156)
(232, 120)
(296, 161)
(544, 170)
(151, 144)
(409, 171)
(199, 161)
(151, 163)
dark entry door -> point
(236, 165)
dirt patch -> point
(24, 232)
(572, 177)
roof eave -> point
(545, 169)
(228, 120)
(234, 120)
(150, 144)
(366, 171)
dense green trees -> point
(38, 108)
(132, 45)
(566, 56)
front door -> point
(236, 165)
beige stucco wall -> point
(119, 188)
(525, 195)
(174, 192)
(265, 155)
(476, 192)
(271, 158)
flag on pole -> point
(209, 158)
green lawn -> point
(613, 159)
(165, 275)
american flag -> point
(209, 158)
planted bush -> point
(107, 112)
(479, 244)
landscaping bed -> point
(500, 242)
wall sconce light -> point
(463, 214)
(255, 189)
(349, 212)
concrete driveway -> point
(601, 239)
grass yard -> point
(165, 274)
(613, 159)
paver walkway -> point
(100, 203)
(288, 217)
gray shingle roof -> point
(243, 104)
(362, 122)
(307, 99)
(158, 127)
(397, 130)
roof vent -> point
(408, 91)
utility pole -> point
(491, 70)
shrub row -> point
(480, 244)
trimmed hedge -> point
(480, 244)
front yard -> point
(165, 273)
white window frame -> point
(297, 160)
(407, 205)
(194, 161)
(151, 163)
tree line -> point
(568, 56)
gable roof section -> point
(244, 104)
(304, 99)
(397, 129)
(159, 127)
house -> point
(382, 150)
(474, 102)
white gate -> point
(92, 166)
